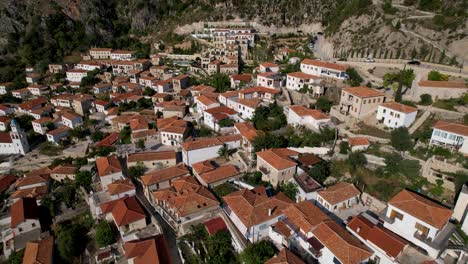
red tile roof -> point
(39, 252)
(22, 210)
(120, 186)
(151, 156)
(108, 141)
(358, 141)
(278, 158)
(363, 91)
(325, 64)
(156, 176)
(186, 196)
(452, 127)
(302, 75)
(6, 181)
(220, 173)
(400, 107)
(125, 210)
(305, 215)
(346, 248)
(422, 208)
(108, 165)
(152, 250)
(339, 192)
(379, 236)
(443, 84)
(214, 225)
(254, 207)
(301, 110)
(247, 130)
(285, 257)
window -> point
(422, 229)
(394, 214)
(336, 261)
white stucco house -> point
(450, 135)
(299, 115)
(393, 114)
(324, 69)
(205, 149)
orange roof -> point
(138, 124)
(452, 127)
(384, 239)
(259, 89)
(23, 209)
(339, 192)
(422, 208)
(5, 137)
(251, 103)
(201, 143)
(186, 196)
(244, 77)
(220, 173)
(203, 166)
(358, 141)
(203, 88)
(109, 140)
(70, 115)
(125, 210)
(285, 257)
(247, 130)
(269, 64)
(278, 158)
(149, 250)
(156, 176)
(301, 110)
(325, 64)
(150, 156)
(400, 107)
(108, 165)
(217, 111)
(302, 75)
(206, 100)
(305, 215)
(65, 169)
(39, 252)
(346, 248)
(120, 186)
(363, 91)
(35, 192)
(214, 225)
(443, 84)
(254, 207)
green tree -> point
(258, 253)
(320, 171)
(219, 248)
(125, 135)
(225, 152)
(356, 160)
(227, 122)
(141, 144)
(269, 118)
(323, 104)
(97, 136)
(84, 179)
(136, 171)
(220, 82)
(148, 91)
(104, 234)
(437, 76)
(16, 257)
(289, 189)
(400, 139)
(354, 78)
(344, 147)
(268, 140)
(465, 119)
(426, 99)
(71, 241)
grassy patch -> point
(224, 189)
(372, 131)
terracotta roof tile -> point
(277, 158)
(452, 127)
(156, 176)
(214, 225)
(301, 110)
(125, 210)
(363, 91)
(148, 250)
(220, 173)
(22, 210)
(108, 165)
(285, 257)
(346, 248)
(247, 130)
(400, 107)
(358, 141)
(325, 64)
(422, 208)
(305, 215)
(339, 192)
(443, 84)
(120, 186)
(253, 207)
(302, 75)
(151, 156)
(39, 252)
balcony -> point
(440, 239)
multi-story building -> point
(15, 141)
(100, 53)
(76, 75)
(419, 220)
(451, 135)
(205, 149)
(300, 80)
(277, 165)
(324, 69)
(360, 101)
(299, 115)
(393, 114)
(338, 197)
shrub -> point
(426, 99)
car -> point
(414, 62)
(369, 60)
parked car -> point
(414, 62)
(369, 60)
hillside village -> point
(214, 157)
